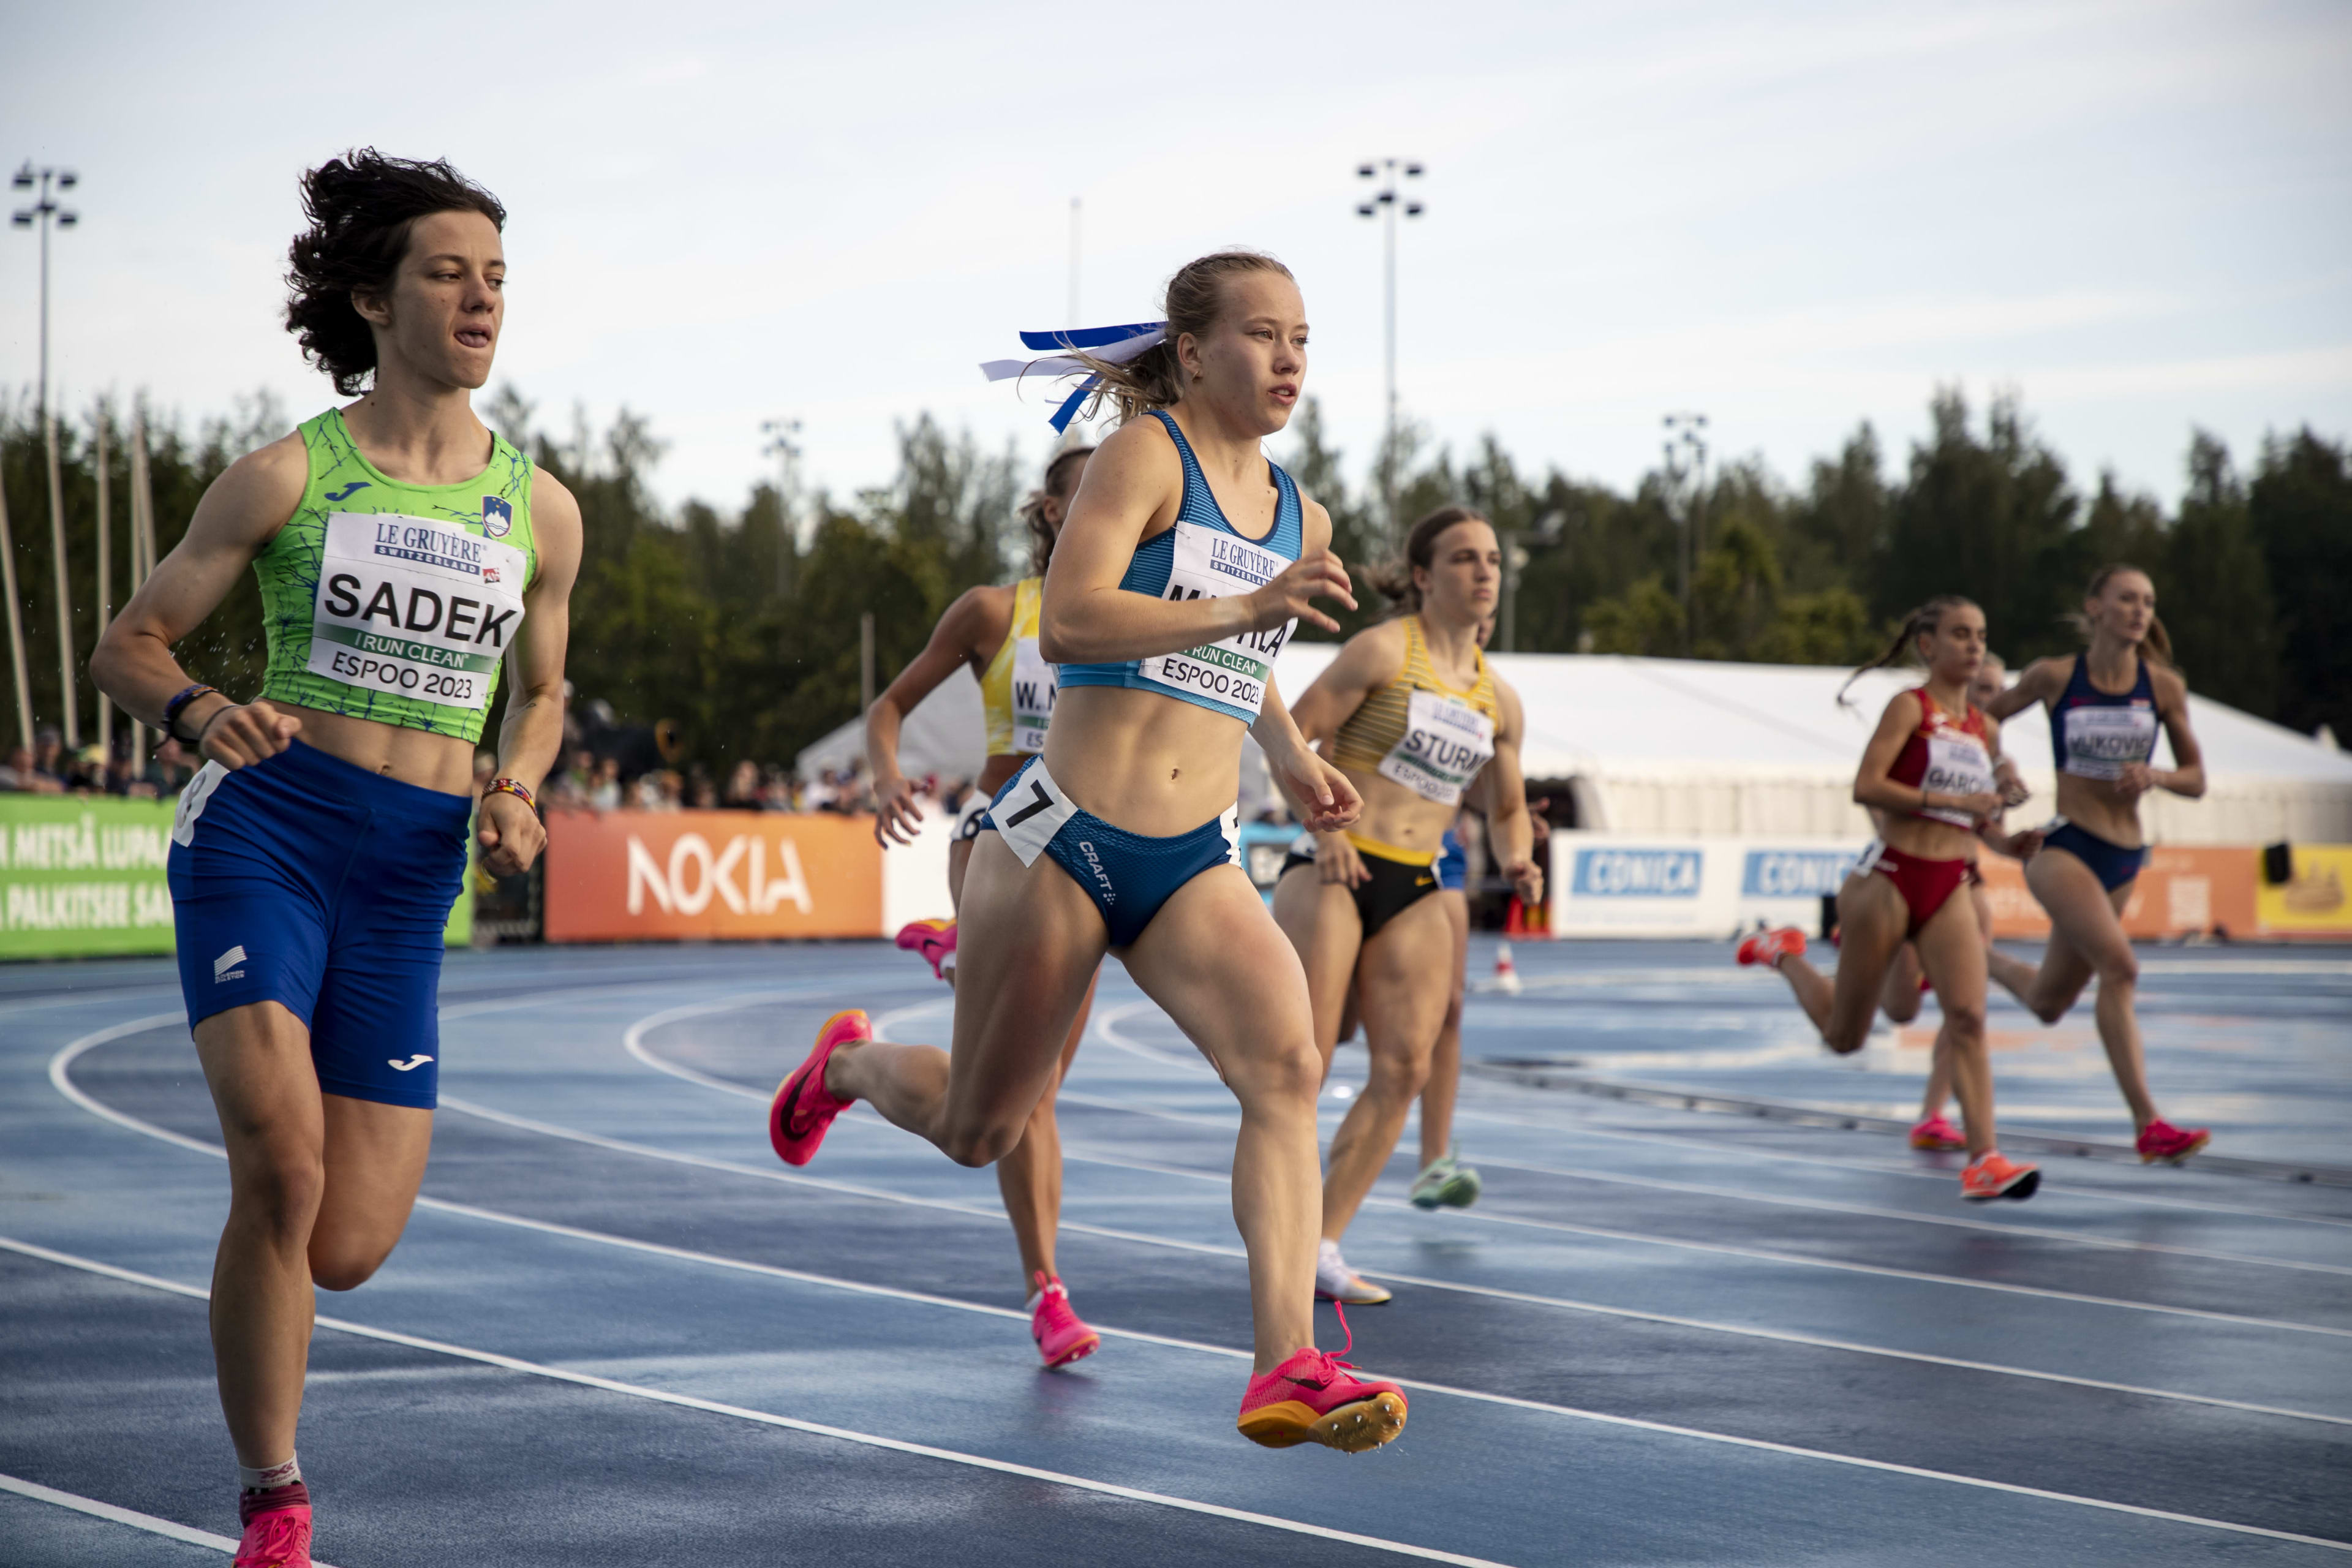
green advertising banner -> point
(82, 877)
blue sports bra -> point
(1201, 557)
(2094, 735)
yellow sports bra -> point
(1016, 693)
(1420, 731)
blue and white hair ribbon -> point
(1105, 345)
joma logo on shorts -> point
(1110, 893)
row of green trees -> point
(743, 627)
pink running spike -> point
(277, 1538)
(1061, 1337)
(933, 940)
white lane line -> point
(1737, 1154)
(839, 1434)
(588, 1380)
(59, 1077)
(633, 1039)
(117, 1515)
(974, 1211)
(1830, 1205)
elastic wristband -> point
(171, 711)
(206, 727)
(511, 786)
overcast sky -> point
(1791, 217)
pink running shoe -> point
(933, 940)
(1311, 1398)
(1768, 947)
(2160, 1140)
(277, 1528)
(1993, 1176)
(1061, 1337)
(1937, 1133)
(802, 1110)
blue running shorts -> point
(1127, 875)
(1452, 866)
(308, 882)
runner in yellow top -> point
(993, 631)
(1412, 713)
(405, 556)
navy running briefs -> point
(2111, 863)
(1127, 875)
(322, 887)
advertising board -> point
(83, 876)
(639, 876)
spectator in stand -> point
(701, 793)
(607, 794)
(24, 776)
(819, 795)
(169, 769)
(119, 780)
(49, 761)
(779, 793)
(743, 786)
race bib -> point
(1033, 810)
(193, 799)
(1209, 564)
(1956, 764)
(2101, 740)
(1035, 685)
(415, 608)
(1445, 742)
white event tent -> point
(1678, 746)
(1753, 751)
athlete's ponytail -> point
(1061, 482)
(2157, 644)
(1921, 622)
(1395, 577)
(360, 207)
(1196, 299)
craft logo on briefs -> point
(1110, 893)
(1638, 873)
(1793, 873)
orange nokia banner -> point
(628, 876)
(2181, 891)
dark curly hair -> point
(361, 206)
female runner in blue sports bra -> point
(1186, 559)
(2105, 706)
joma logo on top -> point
(695, 876)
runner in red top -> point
(1929, 771)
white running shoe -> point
(1335, 1281)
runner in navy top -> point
(1928, 772)
(2105, 706)
(1185, 561)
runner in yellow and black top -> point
(1412, 714)
(993, 631)
(406, 556)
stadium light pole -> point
(44, 212)
(1384, 204)
(1686, 459)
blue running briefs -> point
(322, 887)
(1452, 866)
(2112, 864)
(1129, 876)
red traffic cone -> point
(1515, 918)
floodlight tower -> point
(1384, 204)
(781, 439)
(1686, 461)
(44, 212)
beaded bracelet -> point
(513, 787)
(171, 711)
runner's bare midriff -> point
(443, 762)
(1396, 816)
(1143, 762)
(2100, 806)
